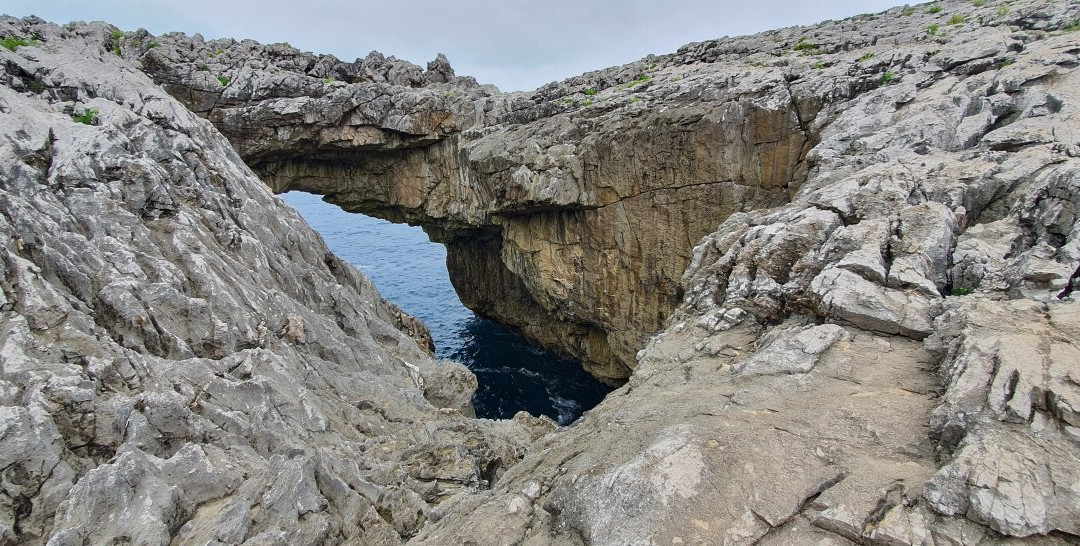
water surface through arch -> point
(514, 374)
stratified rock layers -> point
(837, 265)
(573, 225)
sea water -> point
(514, 374)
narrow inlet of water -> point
(514, 373)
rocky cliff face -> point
(789, 399)
(540, 198)
(837, 264)
(182, 358)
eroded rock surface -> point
(182, 358)
(835, 265)
(890, 358)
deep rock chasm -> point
(832, 268)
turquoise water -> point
(409, 270)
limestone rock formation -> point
(182, 358)
(791, 399)
(834, 265)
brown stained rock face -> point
(595, 211)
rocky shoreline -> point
(832, 267)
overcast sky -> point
(514, 44)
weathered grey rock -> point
(182, 358)
(540, 197)
(756, 235)
(792, 353)
(906, 208)
(1008, 419)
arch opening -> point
(513, 373)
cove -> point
(409, 270)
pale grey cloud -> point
(515, 44)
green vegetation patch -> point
(888, 78)
(590, 91)
(866, 57)
(86, 117)
(806, 47)
(641, 79)
(932, 29)
(934, 9)
(957, 19)
(223, 80)
(12, 42)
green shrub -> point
(204, 68)
(634, 99)
(818, 65)
(979, 3)
(1002, 11)
(641, 79)
(957, 19)
(908, 11)
(86, 117)
(887, 78)
(962, 291)
(449, 95)
(588, 102)
(934, 9)
(866, 57)
(223, 80)
(932, 29)
(152, 45)
(12, 42)
(1007, 62)
(590, 91)
(329, 80)
(804, 46)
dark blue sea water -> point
(409, 270)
